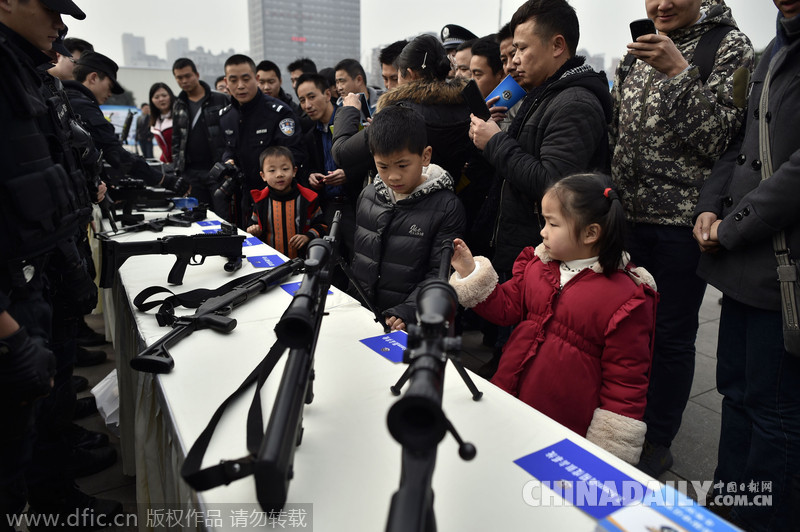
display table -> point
(348, 465)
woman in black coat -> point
(422, 66)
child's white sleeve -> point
(476, 287)
(457, 276)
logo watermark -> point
(591, 492)
(175, 516)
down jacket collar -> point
(436, 179)
(639, 275)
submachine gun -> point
(188, 249)
(417, 420)
(271, 452)
(212, 313)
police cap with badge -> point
(100, 63)
(453, 35)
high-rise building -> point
(176, 48)
(132, 48)
(326, 31)
(133, 52)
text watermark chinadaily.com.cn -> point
(591, 492)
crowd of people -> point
(586, 222)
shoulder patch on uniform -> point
(287, 127)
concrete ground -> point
(694, 449)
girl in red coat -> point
(584, 317)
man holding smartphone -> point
(669, 127)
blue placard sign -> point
(266, 261)
(291, 288)
(252, 241)
(583, 479)
(390, 346)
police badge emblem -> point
(507, 95)
(287, 127)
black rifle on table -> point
(127, 194)
(417, 420)
(297, 329)
(187, 249)
(184, 219)
(212, 314)
(271, 453)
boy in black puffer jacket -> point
(402, 216)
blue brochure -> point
(390, 346)
(509, 91)
(252, 241)
(666, 509)
(291, 288)
(209, 223)
(266, 261)
(211, 231)
(582, 479)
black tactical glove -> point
(174, 183)
(26, 368)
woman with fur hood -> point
(582, 346)
(422, 68)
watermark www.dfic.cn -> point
(592, 492)
(84, 519)
(172, 516)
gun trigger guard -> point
(224, 311)
(194, 261)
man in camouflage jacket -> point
(669, 127)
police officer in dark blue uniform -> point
(253, 122)
(95, 81)
(42, 207)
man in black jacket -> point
(197, 140)
(560, 128)
(95, 81)
(253, 122)
(338, 187)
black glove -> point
(79, 290)
(26, 367)
(171, 181)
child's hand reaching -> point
(462, 259)
(395, 323)
(254, 230)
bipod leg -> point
(476, 394)
(401, 381)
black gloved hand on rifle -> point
(173, 182)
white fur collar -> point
(639, 275)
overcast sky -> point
(219, 26)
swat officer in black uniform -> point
(252, 123)
(95, 81)
(42, 207)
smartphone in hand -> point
(474, 99)
(364, 105)
(643, 26)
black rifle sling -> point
(229, 470)
(704, 54)
(192, 299)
